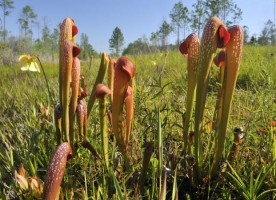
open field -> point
(27, 131)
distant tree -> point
(55, 39)
(37, 25)
(237, 14)
(139, 46)
(253, 40)
(154, 38)
(179, 18)
(164, 31)
(27, 16)
(198, 17)
(246, 34)
(86, 48)
(116, 41)
(267, 35)
(7, 7)
(46, 39)
(224, 9)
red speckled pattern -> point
(56, 170)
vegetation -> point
(194, 124)
(147, 158)
(7, 7)
(116, 41)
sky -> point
(136, 18)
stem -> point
(48, 88)
(104, 134)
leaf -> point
(118, 189)
(34, 67)
(25, 68)
(22, 181)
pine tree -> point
(116, 41)
(7, 7)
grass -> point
(27, 133)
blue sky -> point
(135, 18)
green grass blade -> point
(262, 195)
(174, 191)
(117, 186)
(261, 177)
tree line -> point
(182, 22)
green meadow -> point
(28, 133)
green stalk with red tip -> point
(190, 47)
(68, 31)
(100, 93)
(100, 77)
(111, 67)
(82, 118)
(75, 85)
(219, 61)
(70, 50)
(214, 36)
(67, 58)
(232, 64)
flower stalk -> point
(100, 77)
(100, 93)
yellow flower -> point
(153, 63)
(29, 62)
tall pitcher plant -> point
(190, 48)
(232, 63)
(215, 35)
(69, 70)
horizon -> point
(97, 22)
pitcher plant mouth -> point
(190, 48)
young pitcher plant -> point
(122, 94)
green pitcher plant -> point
(69, 53)
(190, 48)
(68, 31)
(215, 35)
(232, 64)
